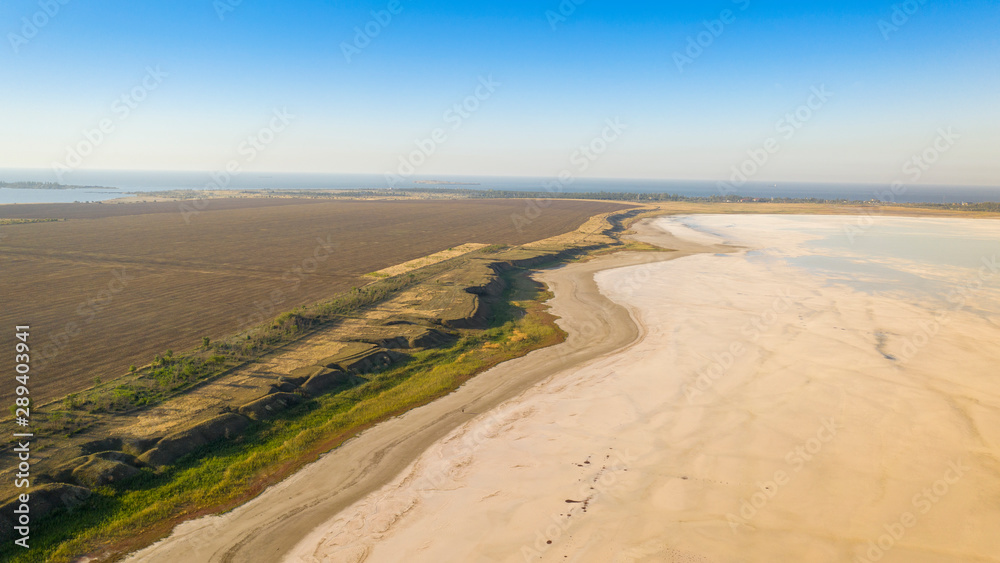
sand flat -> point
(765, 413)
(267, 528)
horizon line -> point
(424, 177)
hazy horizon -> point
(139, 181)
(10, 174)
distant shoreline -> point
(48, 186)
(446, 183)
(158, 180)
(672, 202)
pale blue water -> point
(934, 261)
(863, 275)
(56, 196)
(144, 181)
(930, 259)
(934, 242)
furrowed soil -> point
(108, 286)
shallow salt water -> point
(925, 258)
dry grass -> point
(432, 259)
(234, 471)
(237, 263)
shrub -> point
(71, 401)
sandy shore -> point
(762, 414)
(269, 527)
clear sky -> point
(897, 74)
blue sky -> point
(558, 80)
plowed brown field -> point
(112, 285)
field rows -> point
(104, 292)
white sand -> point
(756, 419)
(269, 526)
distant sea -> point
(149, 181)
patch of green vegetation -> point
(169, 374)
(26, 221)
(165, 375)
(634, 246)
(221, 475)
(494, 248)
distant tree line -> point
(717, 198)
(984, 206)
(614, 196)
